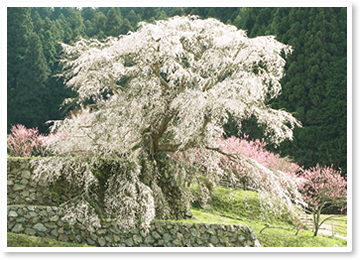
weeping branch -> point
(232, 157)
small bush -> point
(23, 142)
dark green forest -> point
(314, 87)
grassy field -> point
(231, 207)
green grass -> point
(236, 208)
(21, 240)
(243, 207)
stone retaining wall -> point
(45, 221)
(22, 190)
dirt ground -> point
(325, 230)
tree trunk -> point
(316, 217)
(175, 192)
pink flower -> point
(25, 142)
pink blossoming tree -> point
(25, 142)
(323, 186)
(248, 165)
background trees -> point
(27, 71)
(314, 88)
(311, 84)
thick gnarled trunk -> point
(175, 192)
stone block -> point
(54, 218)
(101, 241)
(12, 214)
(43, 213)
(129, 242)
(50, 225)
(25, 174)
(241, 238)
(20, 220)
(17, 228)
(28, 201)
(199, 241)
(211, 231)
(30, 231)
(194, 232)
(137, 239)
(89, 241)
(134, 230)
(63, 237)
(155, 235)
(93, 237)
(179, 236)
(24, 182)
(34, 220)
(18, 187)
(54, 232)
(253, 236)
(167, 237)
(149, 240)
(10, 225)
(61, 230)
(177, 242)
(78, 238)
(101, 232)
(116, 238)
(214, 240)
(40, 227)
(224, 239)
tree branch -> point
(167, 147)
(231, 157)
(206, 121)
(162, 81)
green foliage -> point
(114, 22)
(27, 105)
(49, 48)
(133, 18)
(315, 85)
(19, 30)
(76, 23)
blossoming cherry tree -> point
(167, 88)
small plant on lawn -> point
(323, 186)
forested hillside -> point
(314, 88)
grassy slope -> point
(244, 209)
(241, 208)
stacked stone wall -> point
(45, 220)
(23, 190)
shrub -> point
(25, 142)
